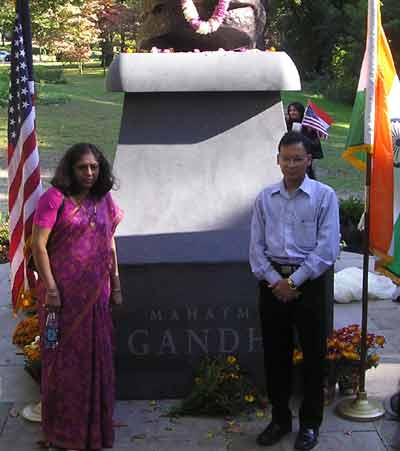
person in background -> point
(293, 244)
(295, 114)
(74, 252)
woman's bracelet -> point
(116, 290)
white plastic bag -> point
(348, 286)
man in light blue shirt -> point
(294, 242)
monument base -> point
(179, 314)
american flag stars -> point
(20, 96)
(23, 156)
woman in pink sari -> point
(74, 252)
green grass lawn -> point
(82, 110)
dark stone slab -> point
(4, 411)
(176, 314)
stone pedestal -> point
(198, 141)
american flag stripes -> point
(23, 156)
(317, 119)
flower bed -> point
(26, 331)
(221, 387)
(344, 355)
(4, 238)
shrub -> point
(221, 387)
(46, 75)
(351, 210)
(4, 89)
(4, 231)
(343, 89)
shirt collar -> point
(305, 187)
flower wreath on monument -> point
(204, 26)
(343, 356)
(221, 387)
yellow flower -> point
(380, 340)
(350, 355)
(231, 360)
(249, 398)
(349, 347)
(198, 380)
(375, 359)
(297, 356)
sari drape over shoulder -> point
(78, 375)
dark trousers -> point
(278, 321)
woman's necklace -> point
(92, 219)
(91, 215)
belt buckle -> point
(286, 269)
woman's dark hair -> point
(297, 106)
(64, 179)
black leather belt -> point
(285, 270)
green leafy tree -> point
(117, 22)
(391, 24)
(7, 16)
(77, 34)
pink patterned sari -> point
(78, 376)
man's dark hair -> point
(290, 138)
(64, 179)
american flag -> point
(23, 156)
(317, 119)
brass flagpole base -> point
(33, 412)
(360, 408)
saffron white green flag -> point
(375, 128)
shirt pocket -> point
(305, 234)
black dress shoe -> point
(306, 439)
(272, 434)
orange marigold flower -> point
(380, 340)
(26, 331)
(349, 347)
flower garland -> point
(201, 26)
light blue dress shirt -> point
(299, 228)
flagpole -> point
(361, 408)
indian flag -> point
(375, 128)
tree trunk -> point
(107, 53)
